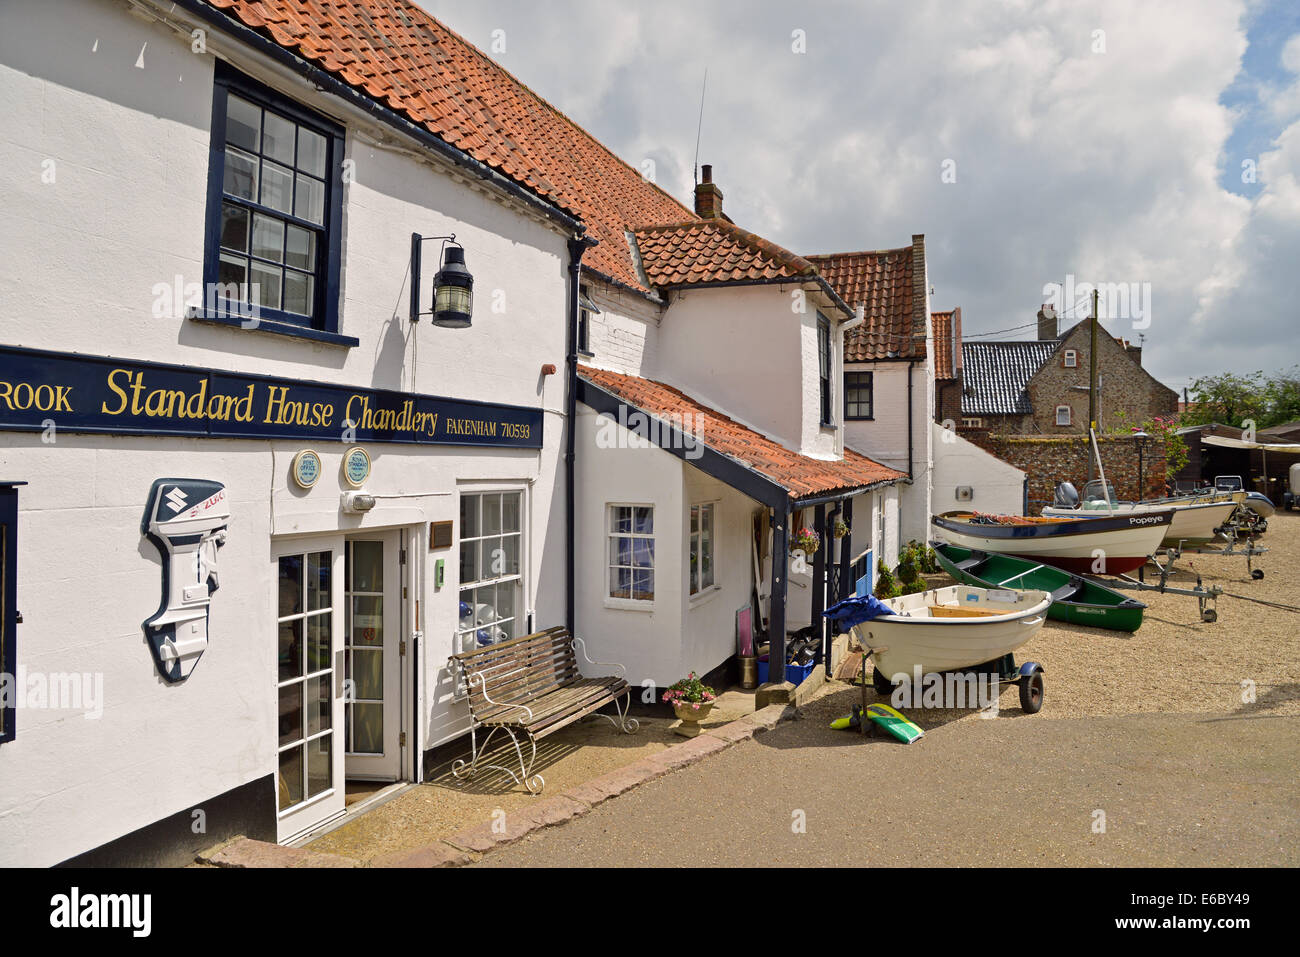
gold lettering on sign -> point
(20, 396)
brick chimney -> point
(708, 198)
(1047, 329)
(920, 299)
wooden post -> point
(819, 578)
(846, 554)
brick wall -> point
(1048, 459)
(1125, 385)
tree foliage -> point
(1232, 399)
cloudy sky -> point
(1153, 145)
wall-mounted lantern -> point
(453, 286)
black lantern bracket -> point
(417, 244)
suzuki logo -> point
(176, 499)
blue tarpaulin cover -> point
(855, 610)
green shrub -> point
(886, 585)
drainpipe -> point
(577, 247)
(911, 364)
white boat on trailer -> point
(1193, 522)
(957, 628)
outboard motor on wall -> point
(1067, 496)
(186, 519)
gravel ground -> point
(1174, 664)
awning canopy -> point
(1227, 443)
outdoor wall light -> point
(453, 285)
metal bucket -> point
(748, 673)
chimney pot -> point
(708, 198)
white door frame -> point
(329, 804)
(390, 764)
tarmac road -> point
(1179, 789)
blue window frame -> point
(8, 611)
(273, 246)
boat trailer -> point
(1205, 595)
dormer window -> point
(824, 367)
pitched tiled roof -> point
(995, 375)
(404, 59)
(800, 475)
(714, 250)
(946, 330)
(882, 282)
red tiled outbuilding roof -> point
(946, 330)
(404, 59)
(801, 475)
(711, 251)
(883, 282)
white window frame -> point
(1069, 415)
(612, 601)
(522, 609)
(697, 594)
(972, 423)
(1071, 359)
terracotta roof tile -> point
(882, 282)
(402, 57)
(713, 250)
(800, 475)
(946, 330)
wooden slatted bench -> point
(529, 688)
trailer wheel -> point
(881, 682)
(1257, 574)
(1031, 693)
(1210, 616)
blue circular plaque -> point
(306, 468)
(356, 466)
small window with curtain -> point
(272, 255)
(1062, 415)
(632, 552)
(857, 395)
(824, 366)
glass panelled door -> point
(309, 780)
(372, 650)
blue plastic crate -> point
(795, 674)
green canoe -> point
(1074, 598)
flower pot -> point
(690, 716)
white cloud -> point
(1104, 165)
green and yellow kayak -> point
(1075, 598)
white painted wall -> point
(997, 485)
(884, 438)
(83, 254)
(646, 637)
